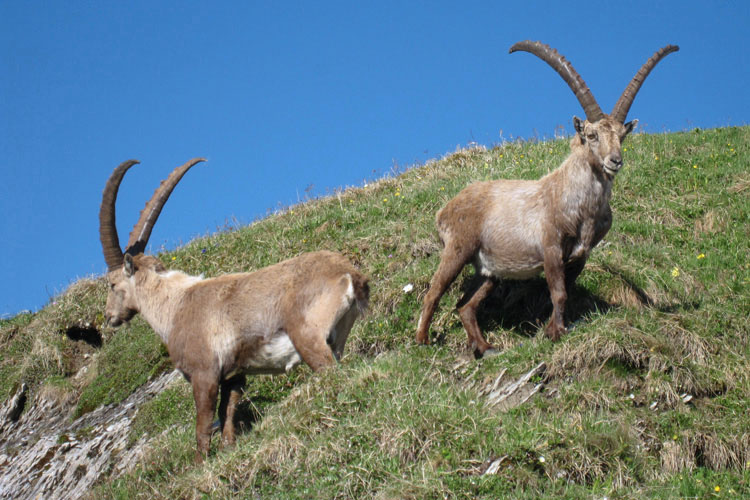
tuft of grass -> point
(645, 397)
(127, 362)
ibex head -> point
(602, 134)
(123, 268)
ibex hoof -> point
(554, 332)
(488, 353)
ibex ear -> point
(128, 266)
(579, 126)
(629, 127)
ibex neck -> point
(160, 296)
(582, 163)
(581, 183)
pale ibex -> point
(218, 330)
(515, 228)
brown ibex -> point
(515, 229)
(218, 330)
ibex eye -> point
(592, 137)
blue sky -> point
(288, 99)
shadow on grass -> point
(247, 415)
(255, 402)
(525, 306)
(646, 300)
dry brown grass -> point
(705, 450)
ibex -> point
(515, 229)
(218, 330)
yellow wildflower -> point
(174, 258)
(717, 489)
(701, 256)
(675, 271)
(385, 200)
(695, 166)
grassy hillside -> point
(647, 396)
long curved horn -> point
(142, 230)
(567, 72)
(113, 255)
(620, 111)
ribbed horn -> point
(567, 72)
(113, 255)
(142, 230)
(620, 111)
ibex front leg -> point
(554, 271)
(205, 390)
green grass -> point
(662, 310)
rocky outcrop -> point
(45, 454)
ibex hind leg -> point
(481, 287)
(451, 262)
(310, 340)
(311, 337)
(231, 392)
(340, 332)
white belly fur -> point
(277, 356)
